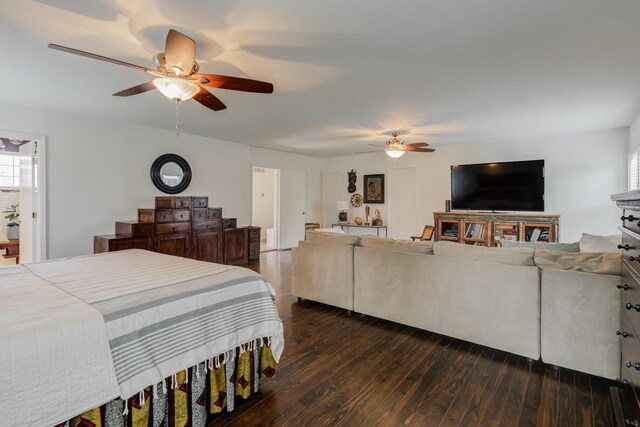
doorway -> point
(22, 189)
(264, 192)
(278, 207)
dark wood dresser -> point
(182, 226)
(626, 396)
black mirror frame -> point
(157, 179)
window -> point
(9, 172)
(632, 170)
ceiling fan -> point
(176, 74)
(396, 147)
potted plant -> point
(13, 226)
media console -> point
(486, 229)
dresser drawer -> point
(633, 225)
(164, 215)
(172, 228)
(229, 223)
(181, 215)
(173, 202)
(146, 215)
(631, 251)
(630, 295)
(213, 225)
(199, 202)
(215, 213)
(199, 215)
(134, 228)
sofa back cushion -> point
(565, 247)
(513, 256)
(389, 244)
(333, 238)
(599, 244)
(602, 263)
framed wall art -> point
(374, 188)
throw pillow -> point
(599, 244)
(514, 256)
(329, 230)
(333, 238)
(565, 247)
(602, 263)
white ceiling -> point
(345, 73)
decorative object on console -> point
(377, 219)
(367, 209)
(170, 174)
(374, 188)
(343, 206)
(13, 226)
(356, 200)
(352, 181)
(358, 220)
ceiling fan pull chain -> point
(177, 118)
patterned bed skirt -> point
(189, 397)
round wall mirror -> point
(170, 174)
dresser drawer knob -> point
(626, 247)
(633, 258)
(628, 218)
(624, 334)
(635, 365)
(630, 306)
(624, 287)
(634, 423)
(622, 381)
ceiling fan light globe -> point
(176, 88)
(394, 154)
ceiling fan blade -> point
(179, 52)
(135, 90)
(100, 57)
(371, 151)
(421, 150)
(233, 83)
(417, 144)
(209, 100)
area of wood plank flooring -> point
(341, 370)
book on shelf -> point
(535, 235)
(511, 237)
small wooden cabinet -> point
(114, 242)
(236, 245)
(254, 243)
(487, 229)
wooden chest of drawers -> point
(626, 396)
(254, 243)
(186, 227)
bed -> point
(132, 338)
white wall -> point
(98, 172)
(582, 171)
(263, 199)
(634, 134)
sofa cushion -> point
(565, 247)
(333, 238)
(389, 244)
(602, 263)
(599, 244)
(513, 256)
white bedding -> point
(90, 329)
(55, 360)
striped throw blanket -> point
(163, 313)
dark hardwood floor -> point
(340, 370)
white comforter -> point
(55, 360)
(78, 332)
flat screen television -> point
(505, 186)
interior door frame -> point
(40, 200)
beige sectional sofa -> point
(496, 297)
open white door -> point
(32, 202)
(291, 206)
